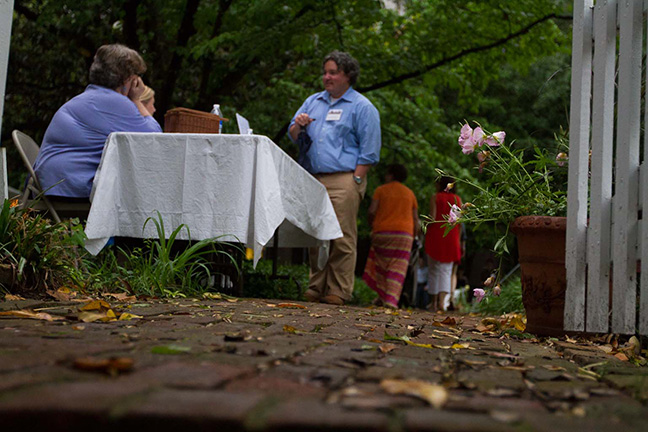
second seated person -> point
(344, 127)
(75, 138)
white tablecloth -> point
(241, 187)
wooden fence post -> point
(626, 180)
(578, 165)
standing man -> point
(345, 131)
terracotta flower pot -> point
(541, 247)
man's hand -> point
(135, 87)
(303, 120)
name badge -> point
(334, 115)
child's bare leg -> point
(441, 300)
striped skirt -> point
(387, 264)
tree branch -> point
(462, 53)
(131, 24)
(208, 62)
(187, 29)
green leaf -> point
(170, 349)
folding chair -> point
(28, 150)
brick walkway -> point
(257, 365)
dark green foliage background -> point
(427, 69)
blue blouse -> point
(75, 138)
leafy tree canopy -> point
(427, 66)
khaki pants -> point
(337, 277)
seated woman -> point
(74, 140)
(148, 99)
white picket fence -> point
(607, 238)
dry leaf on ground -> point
(449, 321)
(95, 305)
(26, 313)
(434, 394)
(63, 294)
(92, 316)
(124, 297)
(11, 297)
(112, 366)
(291, 306)
(387, 348)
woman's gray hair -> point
(113, 64)
(346, 63)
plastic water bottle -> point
(216, 110)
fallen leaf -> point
(387, 348)
(238, 337)
(434, 394)
(579, 411)
(63, 294)
(291, 306)
(91, 316)
(606, 348)
(632, 348)
(554, 368)
(124, 297)
(290, 329)
(449, 321)
(128, 316)
(621, 356)
(171, 349)
(95, 305)
(112, 366)
(473, 362)
(78, 327)
(407, 340)
(501, 355)
(483, 328)
(213, 296)
(464, 345)
(12, 297)
(491, 323)
(517, 322)
(502, 392)
(26, 313)
(505, 416)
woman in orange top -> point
(394, 221)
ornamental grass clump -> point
(512, 181)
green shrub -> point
(509, 301)
(42, 255)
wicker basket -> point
(185, 120)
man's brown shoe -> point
(332, 299)
(312, 296)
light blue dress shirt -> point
(75, 138)
(340, 145)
